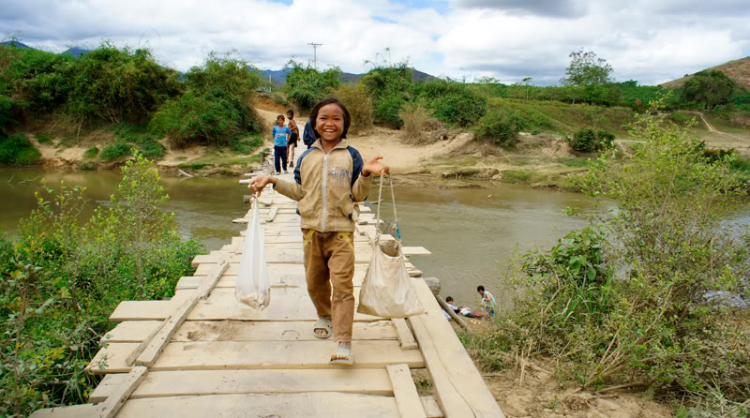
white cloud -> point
(507, 39)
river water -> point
(471, 232)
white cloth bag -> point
(387, 290)
(253, 284)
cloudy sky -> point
(651, 41)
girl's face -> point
(280, 121)
(330, 122)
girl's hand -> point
(258, 183)
(373, 165)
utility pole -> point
(315, 53)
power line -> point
(315, 53)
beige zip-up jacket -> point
(327, 187)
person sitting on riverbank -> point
(487, 300)
(462, 310)
(329, 179)
(281, 135)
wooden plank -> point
(410, 251)
(165, 333)
(112, 359)
(279, 355)
(141, 310)
(460, 388)
(273, 331)
(405, 337)
(213, 382)
(131, 331)
(77, 411)
(431, 407)
(407, 398)
(119, 396)
(297, 405)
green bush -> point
(17, 150)
(116, 151)
(43, 137)
(452, 102)
(586, 140)
(386, 81)
(62, 277)
(680, 118)
(215, 107)
(37, 77)
(91, 153)
(606, 139)
(306, 86)
(500, 128)
(119, 85)
(386, 111)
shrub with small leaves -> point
(500, 128)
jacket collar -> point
(342, 144)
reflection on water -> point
(471, 232)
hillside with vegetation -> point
(737, 70)
(113, 101)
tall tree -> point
(586, 68)
(708, 89)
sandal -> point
(325, 325)
(343, 356)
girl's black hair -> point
(480, 288)
(326, 102)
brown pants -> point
(329, 260)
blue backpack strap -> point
(297, 172)
(357, 163)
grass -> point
(116, 151)
(247, 146)
(573, 161)
(91, 153)
(563, 118)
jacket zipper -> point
(325, 192)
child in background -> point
(487, 300)
(292, 125)
(329, 179)
(280, 137)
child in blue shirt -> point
(281, 136)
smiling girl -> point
(329, 179)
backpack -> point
(308, 136)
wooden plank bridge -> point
(203, 354)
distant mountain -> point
(15, 44)
(278, 77)
(75, 51)
(738, 70)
